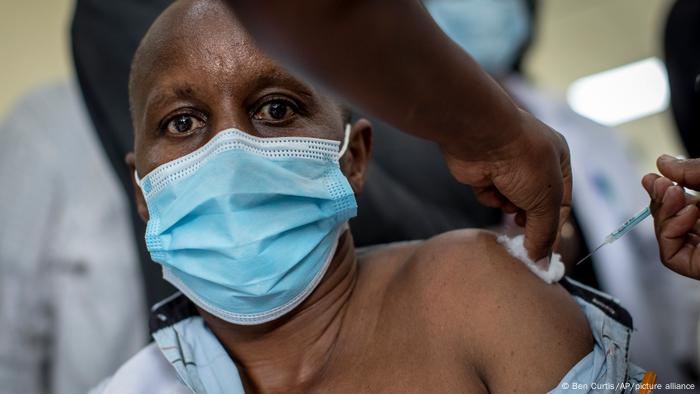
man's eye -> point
(183, 124)
(275, 111)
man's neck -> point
(289, 354)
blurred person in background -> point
(606, 188)
(103, 77)
(682, 58)
(71, 303)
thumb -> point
(541, 230)
(683, 172)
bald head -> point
(204, 32)
(197, 50)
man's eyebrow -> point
(275, 78)
(182, 92)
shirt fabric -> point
(186, 357)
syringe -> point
(622, 230)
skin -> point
(454, 313)
(390, 59)
(676, 215)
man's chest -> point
(386, 370)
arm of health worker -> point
(676, 214)
(391, 60)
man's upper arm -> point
(522, 334)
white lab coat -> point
(148, 372)
(71, 297)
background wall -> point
(578, 38)
(34, 43)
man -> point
(246, 190)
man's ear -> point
(356, 160)
(138, 195)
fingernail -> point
(667, 158)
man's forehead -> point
(205, 24)
(189, 14)
(198, 49)
(200, 36)
(254, 80)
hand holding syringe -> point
(626, 227)
(676, 215)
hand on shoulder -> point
(522, 333)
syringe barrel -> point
(630, 223)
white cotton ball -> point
(516, 247)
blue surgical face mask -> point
(246, 227)
(491, 31)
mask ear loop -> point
(138, 181)
(346, 141)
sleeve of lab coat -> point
(29, 206)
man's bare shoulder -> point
(511, 324)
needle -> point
(590, 254)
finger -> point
(672, 202)
(567, 191)
(541, 226)
(686, 261)
(659, 189)
(489, 196)
(684, 172)
(543, 222)
(672, 239)
(540, 233)
(678, 247)
(693, 239)
(563, 216)
(520, 218)
(677, 227)
(565, 207)
(648, 182)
